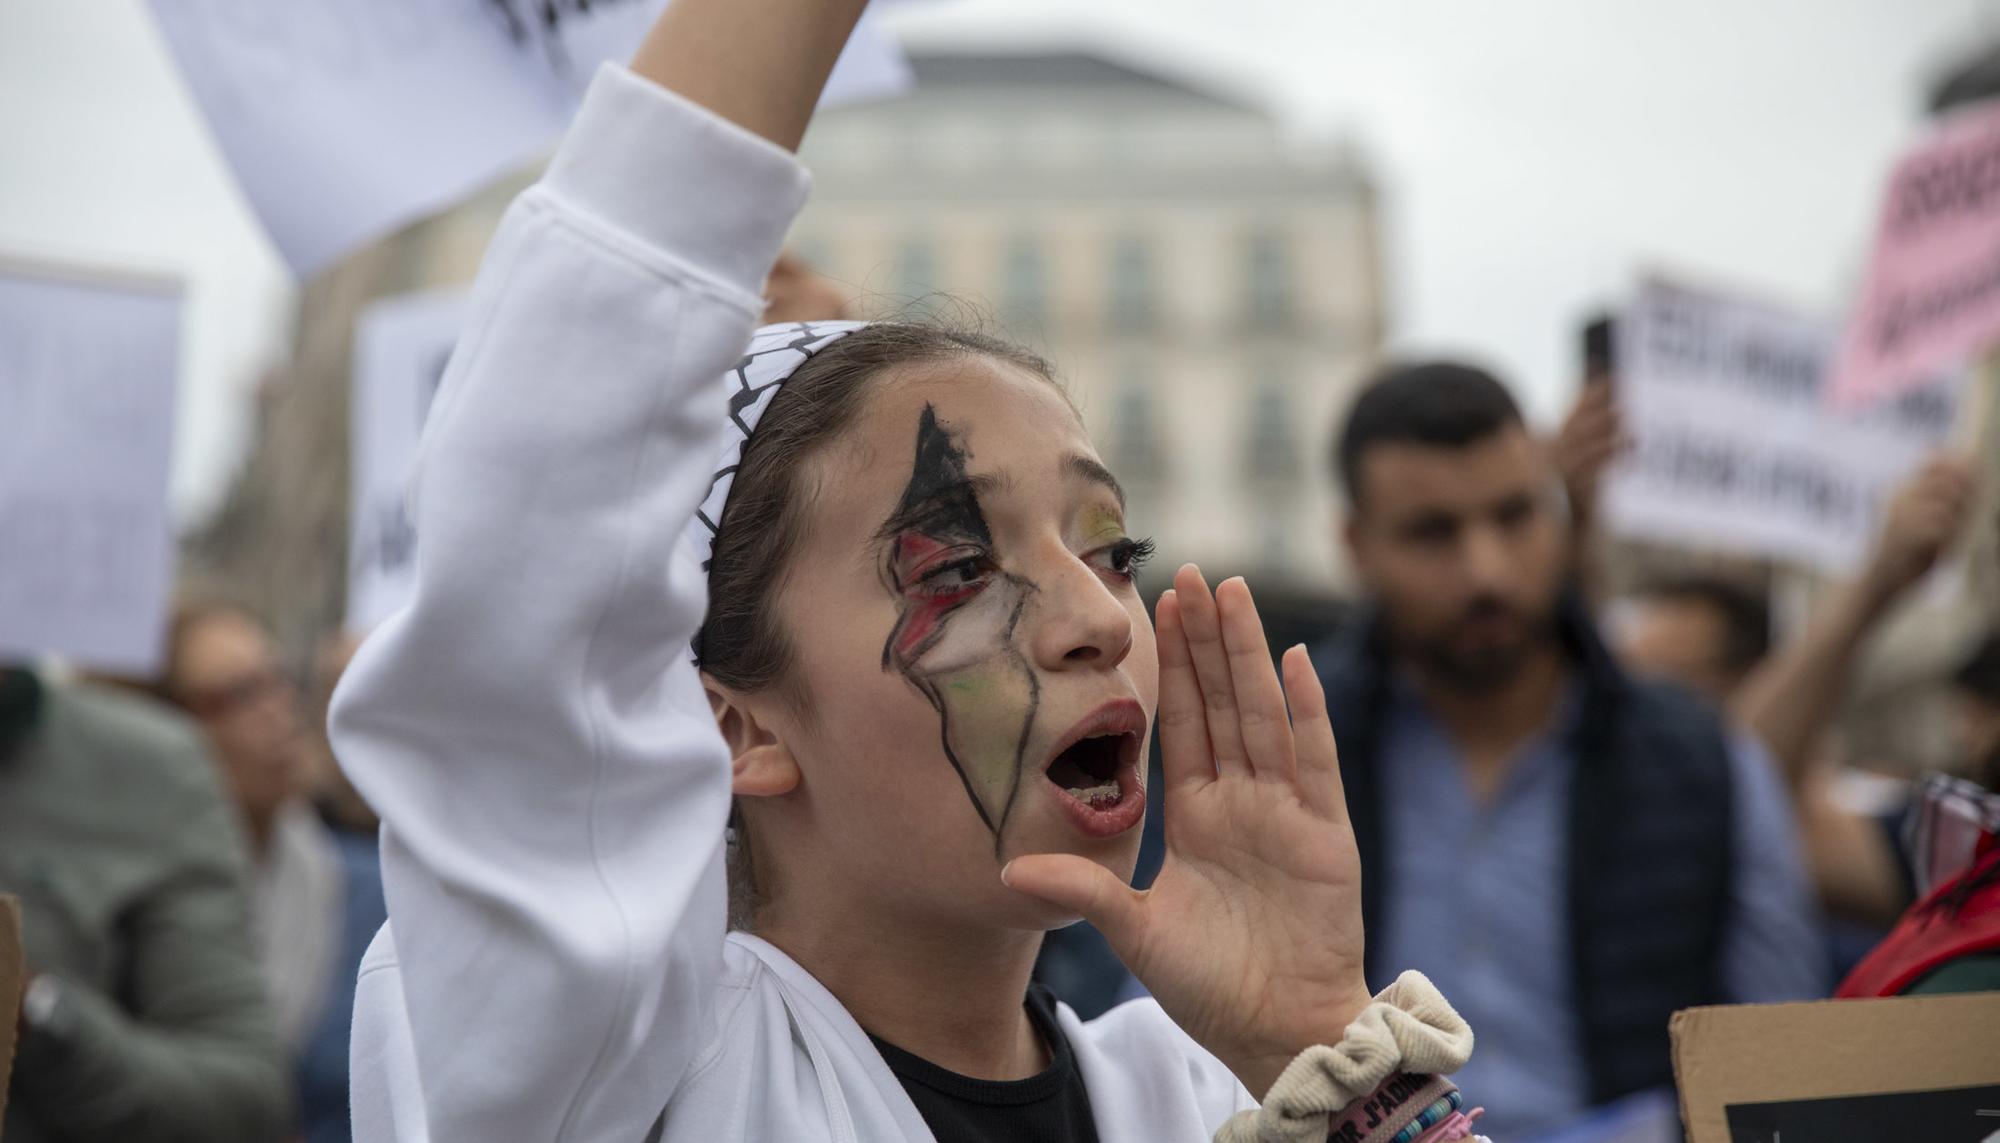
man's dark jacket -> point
(1649, 842)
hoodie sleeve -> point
(552, 787)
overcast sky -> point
(1535, 152)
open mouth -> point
(1088, 770)
(1094, 773)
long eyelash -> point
(1134, 553)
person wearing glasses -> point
(316, 891)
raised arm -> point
(1591, 436)
(1789, 700)
(758, 63)
(551, 783)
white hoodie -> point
(552, 784)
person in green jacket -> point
(144, 1017)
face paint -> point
(1102, 527)
(954, 633)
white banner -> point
(88, 364)
(401, 346)
(345, 119)
(1735, 447)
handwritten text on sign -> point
(1735, 447)
(345, 119)
(1932, 297)
(87, 375)
(401, 346)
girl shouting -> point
(908, 740)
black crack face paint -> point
(957, 615)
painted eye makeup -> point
(954, 578)
(921, 565)
(1127, 556)
(957, 613)
(1106, 546)
(957, 636)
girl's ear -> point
(760, 764)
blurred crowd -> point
(1612, 820)
(1639, 803)
(198, 884)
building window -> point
(1271, 449)
(916, 268)
(1024, 285)
(1137, 454)
(1132, 302)
(1268, 281)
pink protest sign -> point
(1932, 297)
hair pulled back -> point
(741, 643)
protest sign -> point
(344, 119)
(401, 346)
(88, 364)
(1932, 296)
(1904, 1068)
(1735, 447)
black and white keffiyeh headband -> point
(775, 353)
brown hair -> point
(740, 643)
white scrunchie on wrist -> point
(1409, 1028)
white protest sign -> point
(345, 119)
(87, 376)
(1735, 447)
(401, 346)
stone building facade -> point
(1209, 293)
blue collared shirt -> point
(1477, 900)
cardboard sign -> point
(345, 119)
(1735, 447)
(1932, 296)
(1841, 1071)
(88, 363)
(401, 346)
(13, 966)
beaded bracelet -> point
(1404, 1109)
(1454, 1127)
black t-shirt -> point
(1048, 1108)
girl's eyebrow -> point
(1078, 465)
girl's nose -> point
(1078, 620)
